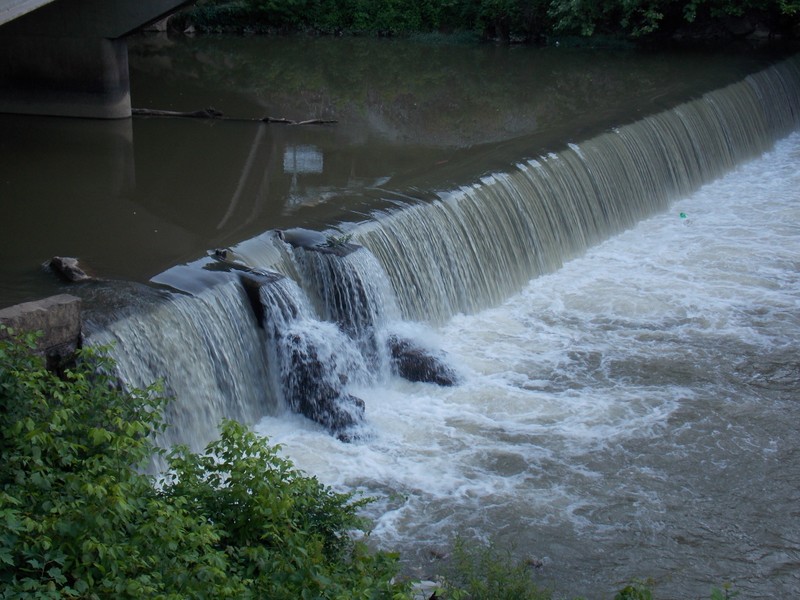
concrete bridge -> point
(70, 57)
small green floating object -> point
(683, 215)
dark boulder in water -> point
(68, 269)
(313, 390)
(415, 363)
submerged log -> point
(291, 122)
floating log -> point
(212, 113)
(291, 122)
(206, 113)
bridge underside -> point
(70, 58)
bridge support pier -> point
(65, 76)
(70, 57)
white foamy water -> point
(634, 414)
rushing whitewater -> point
(625, 344)
(632, 415)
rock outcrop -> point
(415, 363)
(68, 269)
(312, 390)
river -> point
(132, 198)
(626, 340)
(632, 415)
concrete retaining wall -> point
(57, 317)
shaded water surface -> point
(132, 198)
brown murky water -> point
(131, 198)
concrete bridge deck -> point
(13, 9)
(69, 57)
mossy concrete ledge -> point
(59, 320)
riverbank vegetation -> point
(81, 518)
(508, 20)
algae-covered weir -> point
(560, 314)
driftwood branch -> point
(290, 122)
(211, 113)
(208, 113)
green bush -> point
(482, 572)
(81, 518)
(521, 20)
(285, 534)
(636, 590)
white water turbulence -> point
(208, 354)
(632, 414)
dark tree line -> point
(518, 20)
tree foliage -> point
(484, 572)
(505, 19)
(82, 519)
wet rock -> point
(68, 268)
(336, 248)
(301, 238)
(415, 363)
(252, 281)
(312, 390)
(316, 241)
(354, 408)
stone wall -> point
(59, 320)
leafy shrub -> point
(482, 572)
(636, 590)
(285, 533)
(526, 20)
(81, 519)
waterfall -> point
(207, 351)
(474, 246)
(325, 321)
(350, 288)
(312, 360)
